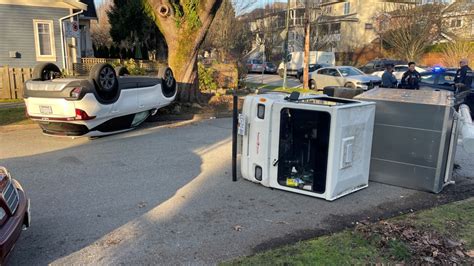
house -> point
(37, 31)
(458, 20)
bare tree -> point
(100, 29)
(457, 50)
(412, 29)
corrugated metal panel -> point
(17, 34)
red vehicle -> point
(14, 213)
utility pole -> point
(306, 47)
(285, 46)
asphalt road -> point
(274, 80)
(164, 196)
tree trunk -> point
(184, 25)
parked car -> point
(312, 67)
(14, 213)
(442, 79)
(344, 76)
(398, 71)
(255, 66)
(270, 68)
(108, 101)
(379, 65)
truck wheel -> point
(105, 80)
(46, 71)
(168, 82)
(350, 85)
(312, 85)
(121, 71)
(280, 73)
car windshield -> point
(350, 71)
(257, 61)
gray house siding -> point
(17, 33)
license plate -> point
(242, 129)
(45, 109)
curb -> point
(170, 121)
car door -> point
(335, 78)
(321, 78)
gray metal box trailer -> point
(415, 137)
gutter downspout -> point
(63, 39)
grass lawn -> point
(13, 116)
(442, 235)
(11, 100)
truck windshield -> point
(350, 71)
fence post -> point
(7, 82)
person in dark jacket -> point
(464, 75)
(388, 79)
(411, 78)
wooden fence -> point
(12, 81)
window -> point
(350, 71)
(428, 78)
(333, 72)
(44, 40)
(456, 23)
(323, 71)
(347, 8)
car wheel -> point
(105, 80)
(121, 71)
(46, 71)
(312, 85)
(168, 82)
(350, 85)
(300, 77)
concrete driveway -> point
(165, 196)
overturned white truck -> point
(315, 145)
(328, 147)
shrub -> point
(134, 68)
(206, 78)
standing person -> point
(388, 79)
(463, 79)
(411, 78)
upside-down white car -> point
(106, 102)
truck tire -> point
(105, 80)
(46, 71)
(168, 82)
(280, 73)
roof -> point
(75, 4)
(90, 12)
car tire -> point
(121, 71)
(105, 81)
(168, 82)
(300, 78)
(350, 85)
(46, 71)
(312, 85)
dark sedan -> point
(440, 79)
(14, 213)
